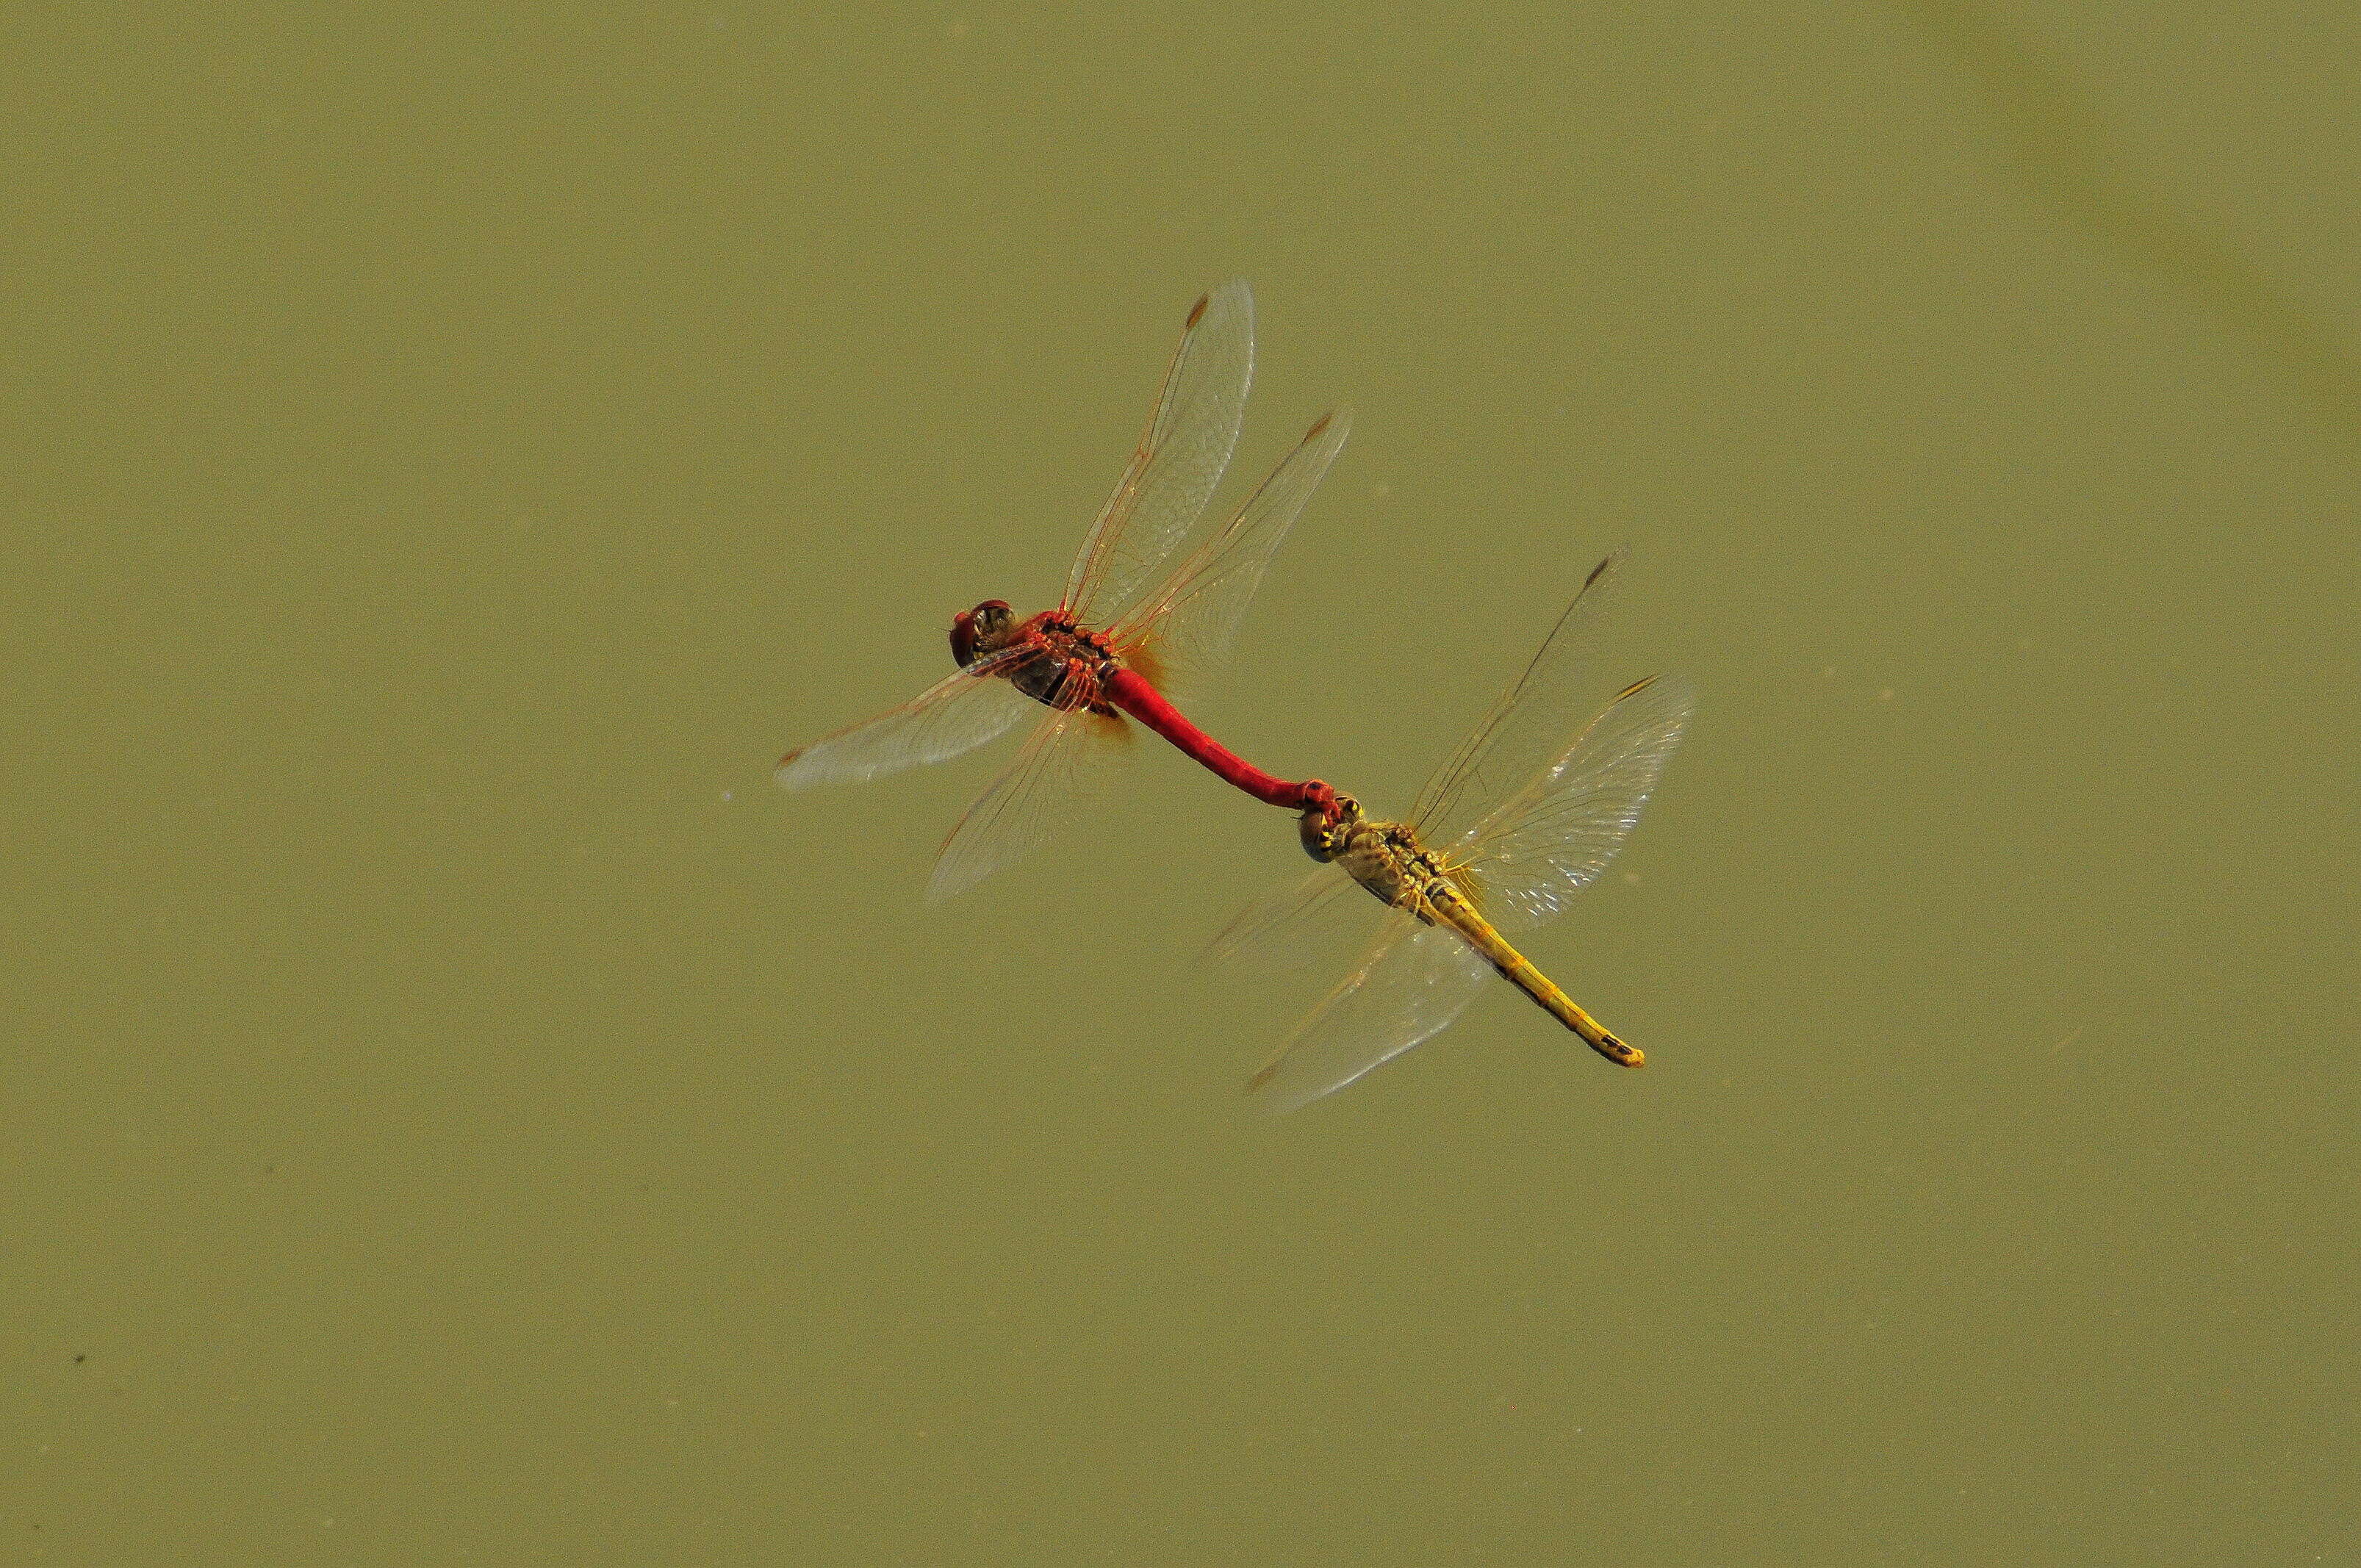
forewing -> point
(1192, 619)
(956, 714)
(1283, 928)
(1557, 834)
(1178, 461)
(1412, 980)
(1527, 727)
(1058, 767)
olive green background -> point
(456, 1109)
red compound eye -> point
(970, 627)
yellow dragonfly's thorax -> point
(1387, 859)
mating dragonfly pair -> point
(1529, 809)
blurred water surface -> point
(458, 1110)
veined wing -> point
(1178, 461)
(1554, 835)
(1275, 928)
(1527, 727)
(956, 714)
(1189, 620)
(1411, 981)
(1056, 768)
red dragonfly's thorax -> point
(1060, 638)
(1071, 664)
(1065, 664)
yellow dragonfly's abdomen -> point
(1452, 905)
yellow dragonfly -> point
(1528, 811)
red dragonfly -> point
(1113, 643)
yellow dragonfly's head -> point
(1326, 824)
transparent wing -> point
(1062, 760)
(956, 714)
(1188, 623)
(1178, 461)
(1554, 835)
(1411, 981)
(1283, 928)
(1527, 727)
